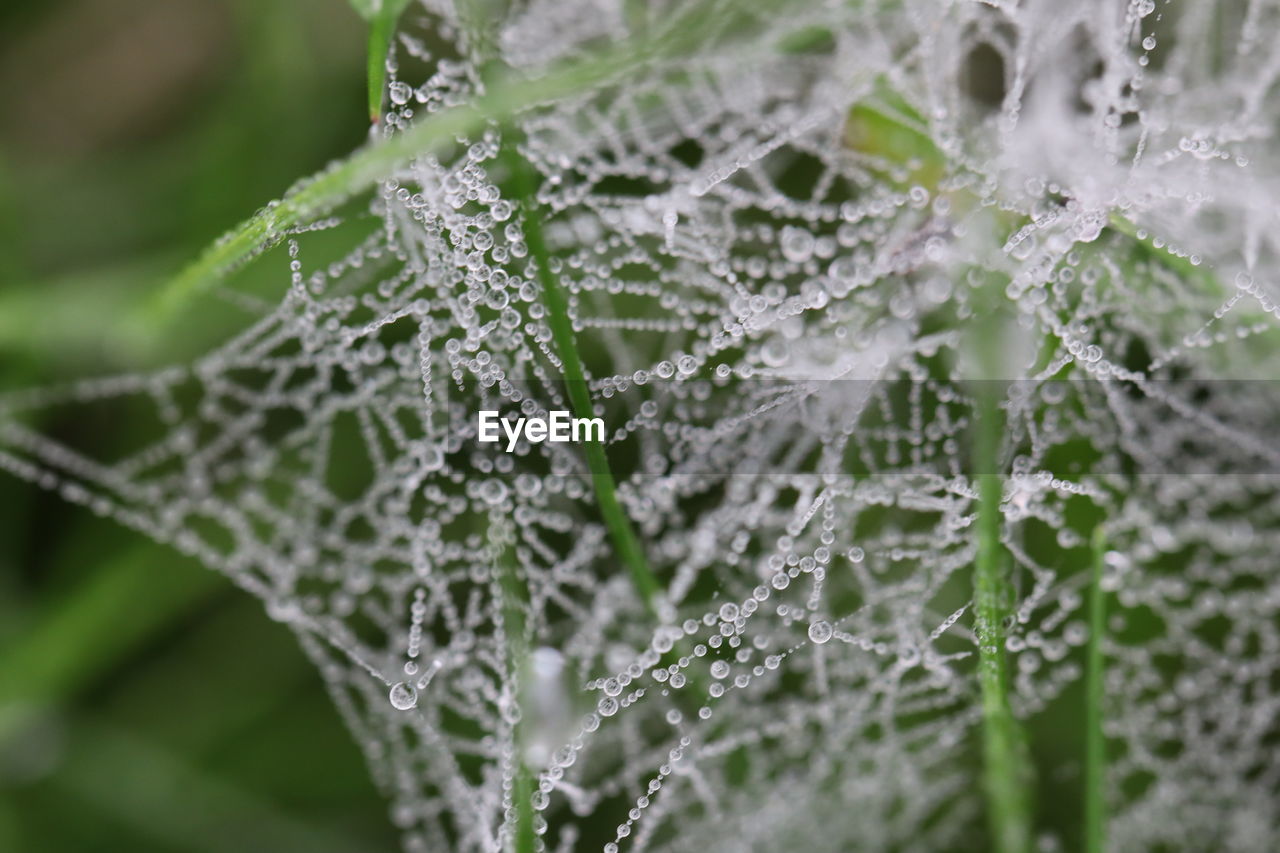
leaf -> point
(322, 192)
(93, 629)
(382, 16)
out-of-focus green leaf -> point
(886, 129)
(93, 628)
(172, 802)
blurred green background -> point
(146, 704)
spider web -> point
(777, 261)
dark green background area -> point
(145, 703)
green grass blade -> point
(178, 805)
(1095, 775)
(382, 17)
(1004, 748)
(505, 97)
(1006, 768)
(514, 603)
(94, 628)
(522, 795)
(566, 346)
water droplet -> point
(403, 696)
(493, 491)
(797, 244)
(820, 631)
(400, 93)
(1088, 227)
(433, 459)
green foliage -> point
(124, 722)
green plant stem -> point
(321, 193)
(382, 16)
(382, 26)
(514, 603)
(1095, 774)
(1004, 756)
(522, 794)
(566, 346)
(1006, 772)
(524, 188)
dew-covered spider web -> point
(797, 253)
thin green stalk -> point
(522, 795)
(1006, 770)
(1095, 773)
(566, 346)
(382, 16)
(1004, 749)
(321, 193)
(524, 187)
(514, 603)
(382, 26)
